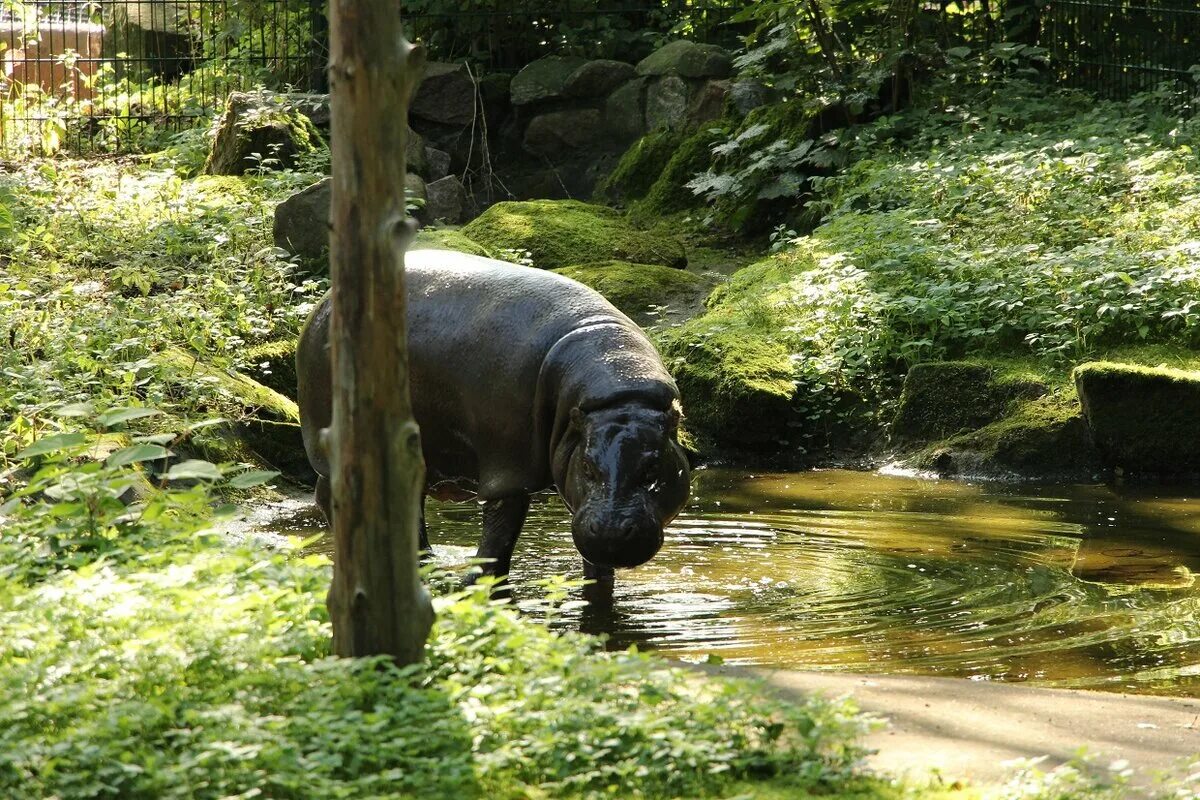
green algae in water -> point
(1068, 586)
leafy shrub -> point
(1019, 221)
(190, 668)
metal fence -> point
(1117, 49)
(119, 75)
(510, 35)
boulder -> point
(640, 167)
(557, 135)
(648, 293)
(747, 95)
(302, 223)
(738, 386)
(1046, 438)
(688, 59)
(260, 130)
(414, 153)
(315, 107)
(560, 233)
(708, 102)
(625, 110)
(448, 239)
(437, 163)
(265, 426)
(951, 397)
(667, 101)
(446, 200)
(544, 79)
(446, 95)
(273, 364)
(416, 192)
(1143, 419)
(693, 155)
(598, 78)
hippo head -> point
(624, 481)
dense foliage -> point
(1013, 222)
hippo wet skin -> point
(522, 380)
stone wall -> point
(557, 126)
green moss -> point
(1143, 419)
(639, 167)
(694, 155)
(262, 424)
(559, 233)
(640, 290)
(1047, 437)
(950, 397)
(737, 383)
(448, 239)
(273, 364)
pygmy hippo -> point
(521, 380)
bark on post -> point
(377, 602)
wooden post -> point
(376, 602)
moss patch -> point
(737, 384)
(273, 364)
(646, 292)
(639, 167)
(1047, 437)
(1143, 419)
(448, 239)
(943, 399)
(694, 155)
(263, 425)
(559, 233)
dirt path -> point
(968, 729)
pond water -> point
(1071, 586)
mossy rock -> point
(559, 233)
(669, 192)
(263, 425)
(273, 364)
(647, 293)
(260, 130)
(1043, 438)
(448, 239)
(1143, 419)
(943, 399)
(640, 167)
(737, 385)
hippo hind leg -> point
(502, 522)
(323, 495)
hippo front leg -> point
(599, 590)
(502, 522)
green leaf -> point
(251, 478)
(75, 410)
(194, 470)
(137, 454)
(117, 416)
(53, 444)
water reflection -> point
(1083, 586)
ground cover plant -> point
(1002, 221)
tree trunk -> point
(376, 602)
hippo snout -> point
(617, 541)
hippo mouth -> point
(621, 548)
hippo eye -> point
(590, 471)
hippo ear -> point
(577, 418)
